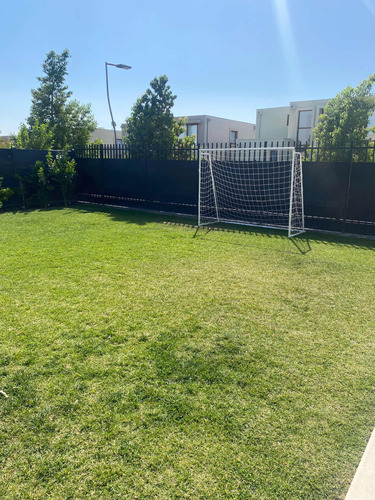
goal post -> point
(252, 186)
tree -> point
(346, 116)
(5, 193)
(97, 141)
(4, 143)
(68, 122)
(38, 136)
(151, 125)
(49, 100)
(63, 170)
(43, 178)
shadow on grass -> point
(30, 210)
(141, 217)
(301, 242)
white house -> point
(205, 128)
(289, 123)
(212, 129)
(292, 123)
(107, 135)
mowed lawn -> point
(142, 360)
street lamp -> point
(121, 66)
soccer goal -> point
(252, 186)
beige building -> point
(289, 123)
(292, 123)
(205, 128)
(212, 129)
(107, 135)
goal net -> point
(252, 186)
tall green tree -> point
(346, 116)
(69, 122)
(49, 100)
(151, 125)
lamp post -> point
(121, 66)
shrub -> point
(5, 193)
(63, 171)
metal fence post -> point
(348, 187)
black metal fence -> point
(124, 152)
(310, 152)
(352, 153)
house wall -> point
(212, 129)
(297, 106)
(106, 135)
(273, 123)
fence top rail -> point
(202, 150)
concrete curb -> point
(363, 484)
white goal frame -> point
(223, 169)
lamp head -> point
(123, 66)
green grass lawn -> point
(144, 361)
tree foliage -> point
(49, 100)
(5, 193)
(43, 179)
(151, 125)
(63, 171)
(346, 116)
(57, 171)
(4, 143)
(38, 136)
(54, 117)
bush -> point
(5, 193)
(63, 171)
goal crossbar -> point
(259, 187)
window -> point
(192, 130)
(321, 111)
(304, 126)
(233, 136)
(287, 120)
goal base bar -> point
(291, 234)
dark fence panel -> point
(325, 191)
(18, 161)
(169, 185)
(173, 184)
(118, 182)
(360, 211)
(89, 176)
(124, 178)
(340, 197)
(7, 167)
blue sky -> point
(223, 58)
